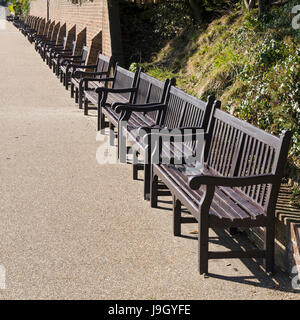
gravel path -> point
(73, 229)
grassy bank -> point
(252, 65)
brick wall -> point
(93, 15)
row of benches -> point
(226, 172)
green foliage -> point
(170, 18)
(251, 63)
(19, 7)
(133, 67)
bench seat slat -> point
(223, 205)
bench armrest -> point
(74, 64)
(74, 57)
(127, 104)
(87, 80)
(81, 67)
(112, 90)
(62, 50)
(126, 107)
(70, 61)
(80, 73)
(91, 66)
(196, 181)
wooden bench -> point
(30, 33)
(59, 55)
(237, 186)
(123, 87)
(177, 109)
(53, 49)
(70, 63)
(100, 70)
(39, 42)
(52, 41)
(42, 35)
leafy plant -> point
(19, 7)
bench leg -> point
(135, 165)
(80, 97)
(111, 134)
(176, 217)
(270, 247)
(67, 80)
(72, 90)
(153, 192)
(203, 229)
(147, 171)
(147, 181)
(86, 107)
(101, 121)
(203, 245)
(76, 95)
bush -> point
(170, 18)
(19, 7)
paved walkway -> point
(71, 228)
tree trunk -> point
(198, 9)
(263, 6)
(249, 4)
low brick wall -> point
(94, 15)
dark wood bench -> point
(178, 109)
(148, 91)
(123, 87)
(237, 186)
(10, 17)
(61, 54)
(43, 35)
(52, 41)
(70, 63)
(54, 49)
(39, 42)
(30, 33)
(100, 70)
(26, 25)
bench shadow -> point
(259, 278)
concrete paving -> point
(71, 228)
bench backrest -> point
(151, 90)
(54, 34)
(73, 47)
(104, 64)
(62, 35)
(184, 110)
(84, 54)
(65, 42)
(37, 24)
(46, 28)
(237, 148)
(125, 79)
(41, 27)
(50, 30)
